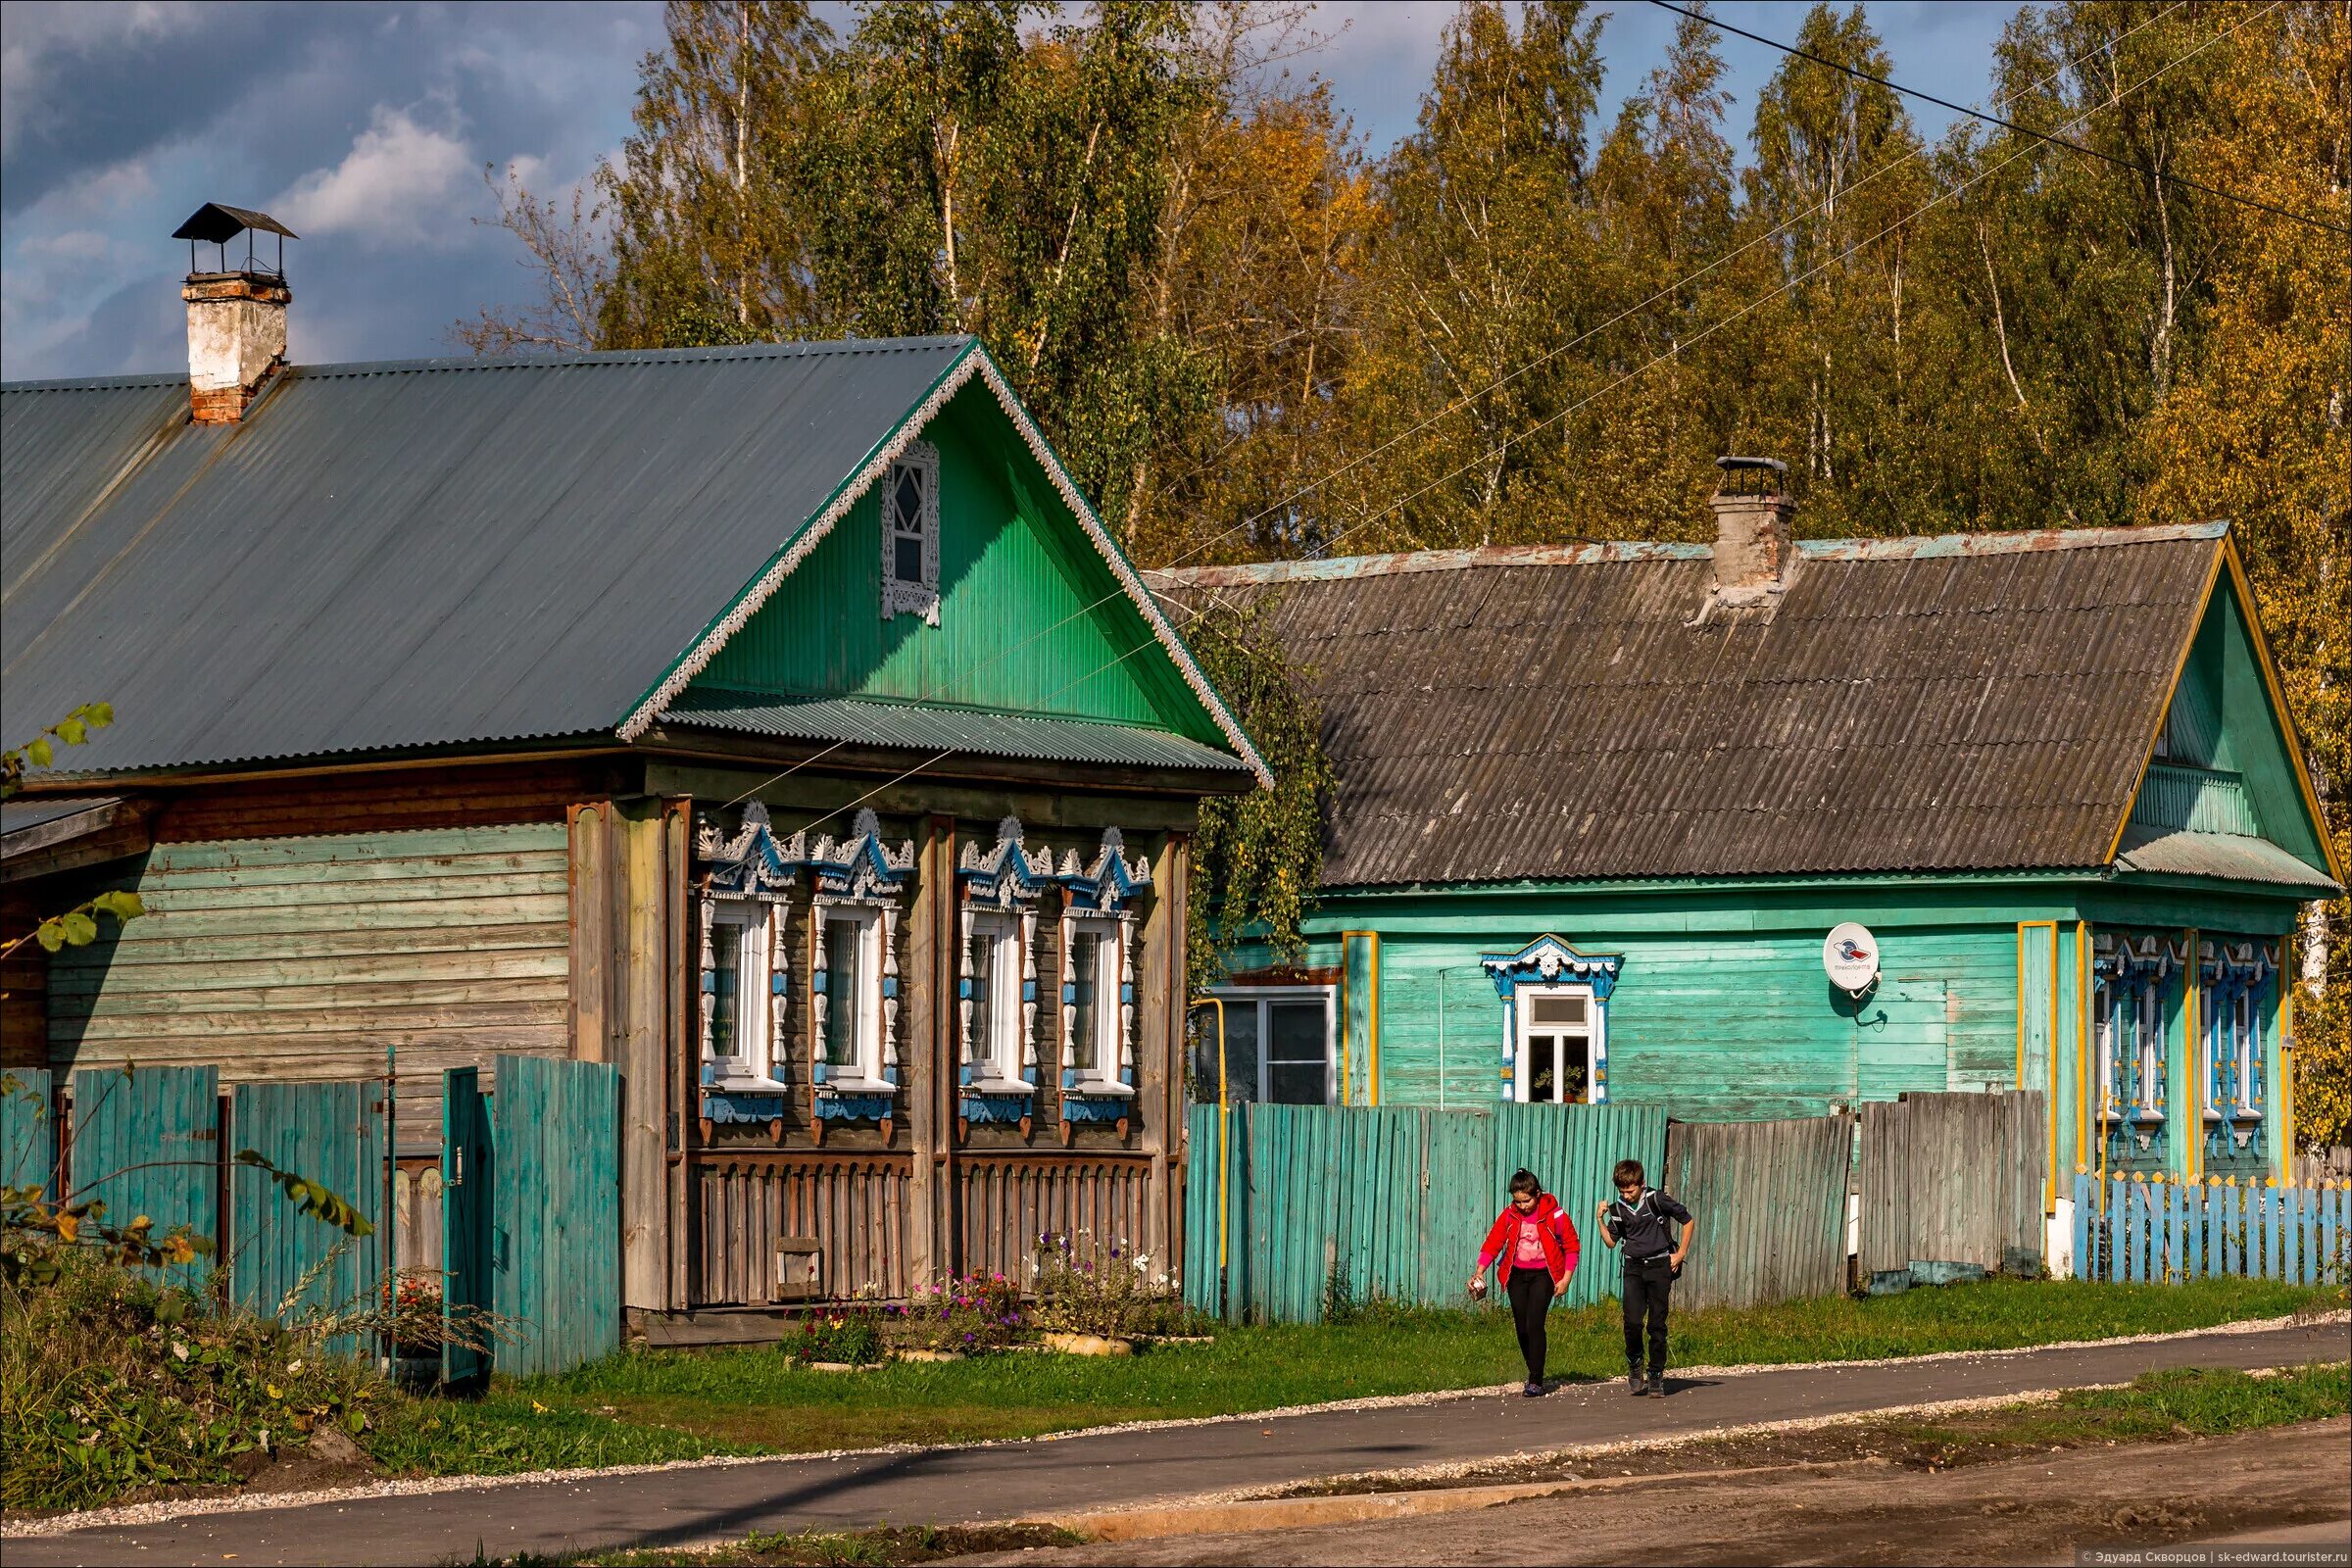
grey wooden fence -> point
(1769, 1200)
(1952, 1179)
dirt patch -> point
(2019, 1510)
(886, 1548)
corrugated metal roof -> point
(2233, 856)
(433, 552)
(18, 815)
(944, 729)
(1973, 702)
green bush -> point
(110, 1383)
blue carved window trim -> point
(2133, 979)
(1545, 962)
(998, 888)
(752, 874)
(863, 876)
(1100, 893)
(2234, 996)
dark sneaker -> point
(1657, 1382)
(1634, 1382)
(1534, 1390)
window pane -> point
(845, 992)
(726, 987)
(1556, 1009)
(907, 559)
(1241, 1050)
(909, 499)
(1295, 1031)
(988, 1043)
(1298, 1083)
(1086, 949)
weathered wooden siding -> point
(1769, 1200)
(1100, 1202)
(23, 984)
(856, 1205)
(308, 959)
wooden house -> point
(1603, 807)
(778, 724)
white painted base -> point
(2058, 1240)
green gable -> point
(2224, 765)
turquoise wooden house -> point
(777, 725)
(1602, 810)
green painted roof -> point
(910, 727)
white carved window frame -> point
(755, 927)
(900, 595)
(1010, 1004)
(1105, 1064)
(876, 1004)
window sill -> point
(747, 1086)
(999, 1085)
(857, 1086)
(1100, 1089)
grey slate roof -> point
(955, 731)
(1981, 702)
(383, 556)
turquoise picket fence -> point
(2134, 1230)
(29, 1129)
(1392, 1200)
(282, 1261)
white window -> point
(739, 1036)
(1560, 1045)
(2234, 1054)
(910, 535)
(1279, 1046)
(850, 955)
(993, 973)
(1092, 972)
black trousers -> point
(1530, 1291)
(1648, 1284)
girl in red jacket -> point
(1533, 1244)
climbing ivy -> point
(1258, 858)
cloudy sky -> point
(365, 128)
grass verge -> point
(759, 1398)
(2167, 1406)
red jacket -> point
(1552, 1227)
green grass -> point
(2155, 1407)
(758, 1398)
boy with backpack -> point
(1637, 1220)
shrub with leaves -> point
(977, 1312)
(851, 1333)
(1107, 1289)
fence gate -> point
(1769, 1199)
(285, 1262)
(554, 1253)
(29, 1130)
(465, 1199)
(1952, 1178)
(147, 1141)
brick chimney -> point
(1755, 543)
(236, 314)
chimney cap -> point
(1729, 465)
(215, 225)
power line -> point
(1458, 404)
(2007, 125)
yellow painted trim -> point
(2196, 624)
(2049, 1195)
(2278, 708)
(2083, 1045)
(1371, 1012)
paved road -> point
(1023, 1479)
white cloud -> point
(399, 183)
(31, 36)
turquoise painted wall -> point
(1721, 1008)
(1030, 618)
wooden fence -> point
(525, 1215)
(1769, 1200)
(1949, 1179)
(2164, 1231)
(1392, 1202)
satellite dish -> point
(1850, 956)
